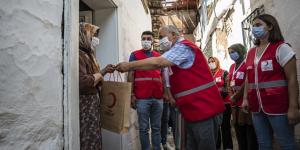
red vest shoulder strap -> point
(137, 51)
(220, 73)
(155, 53)
(231, 69)
(190, 44)
(274, 46)
(250, 55)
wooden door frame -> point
(71, 75)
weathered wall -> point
(232, 32)
(133, 20)
(120, 32)
(30, 75)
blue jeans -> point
(149, 109)
(165, 123)
(265, 125)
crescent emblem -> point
(114, 100)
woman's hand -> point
(98, 78)
(172, 101)
(245, 106)
(293, 115)
(166, 96)
(108, 69)
(133, 101)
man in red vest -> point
(192, 85)
(147, 94)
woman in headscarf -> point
(90, 78)
(241, 120)
(221, 79)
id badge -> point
(267, 65)
(240, 75)
(218, 79)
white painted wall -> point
(120, 32)
(233, 37)
(31, 89)
(107, 51)
(132, 21)
(236, 35)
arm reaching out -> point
(145, 64)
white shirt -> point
(166, 74)
(284, 54)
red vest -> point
(194, 89)
(270, 92)
(220, 81)
(236, 79)
(147, 83)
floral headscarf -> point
(86, 32)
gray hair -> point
(171, 29)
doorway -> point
(104, 14)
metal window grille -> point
(246, 26)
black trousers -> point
(224, 133)
(246, 137)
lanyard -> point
(236, 70)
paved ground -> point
(234, 140)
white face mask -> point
(147, 45)
(165, 44)
(95, 42)
(212, 66)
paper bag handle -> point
(114, 78)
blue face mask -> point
(258, 32)
(234, 56)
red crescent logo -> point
(114, 100)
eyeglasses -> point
(146, 38)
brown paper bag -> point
(115, 106)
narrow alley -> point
(149, 74)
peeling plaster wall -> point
(234, 34)
(31, 89)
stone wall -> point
(31, 89)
